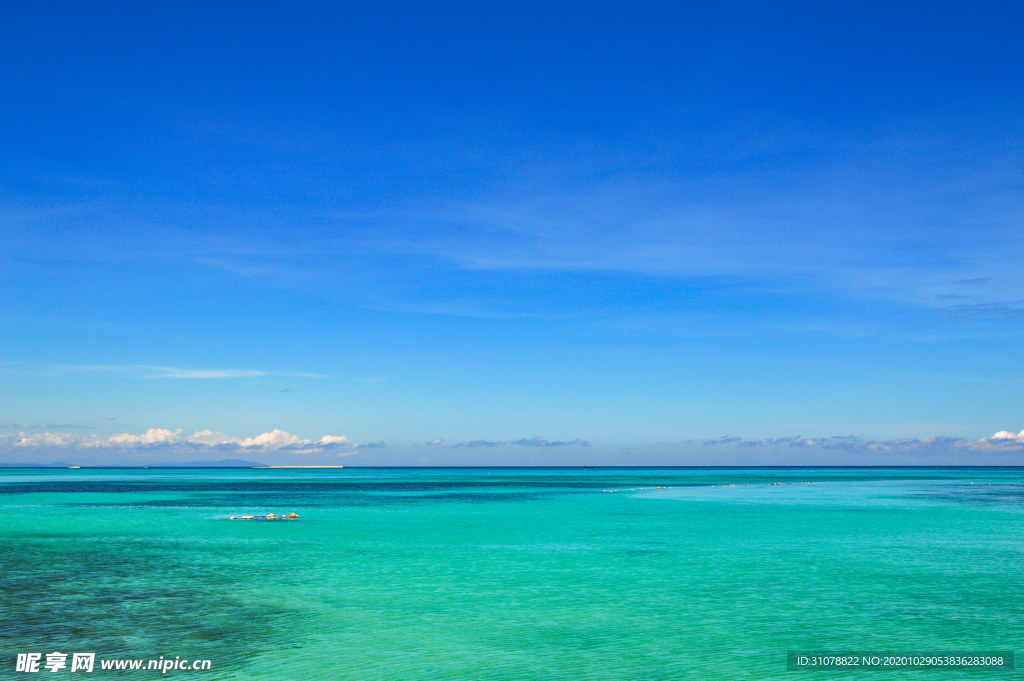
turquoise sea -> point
(505, 573)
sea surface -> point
(510, 573)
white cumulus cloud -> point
(199, 440)
(153, 436)
(1005, 435)
(51, 440)
(212, 439)
(275, 439)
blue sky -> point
(641, 227)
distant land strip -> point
(298, 466)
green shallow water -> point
(510, 573)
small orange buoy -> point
(293, 516)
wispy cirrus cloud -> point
(172, 372)
(40, 426)
(146, 371)
(528, 442)
(979, 312)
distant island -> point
(298, 466)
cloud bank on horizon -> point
(1004, 440)
(200, 441)
(282, 442)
